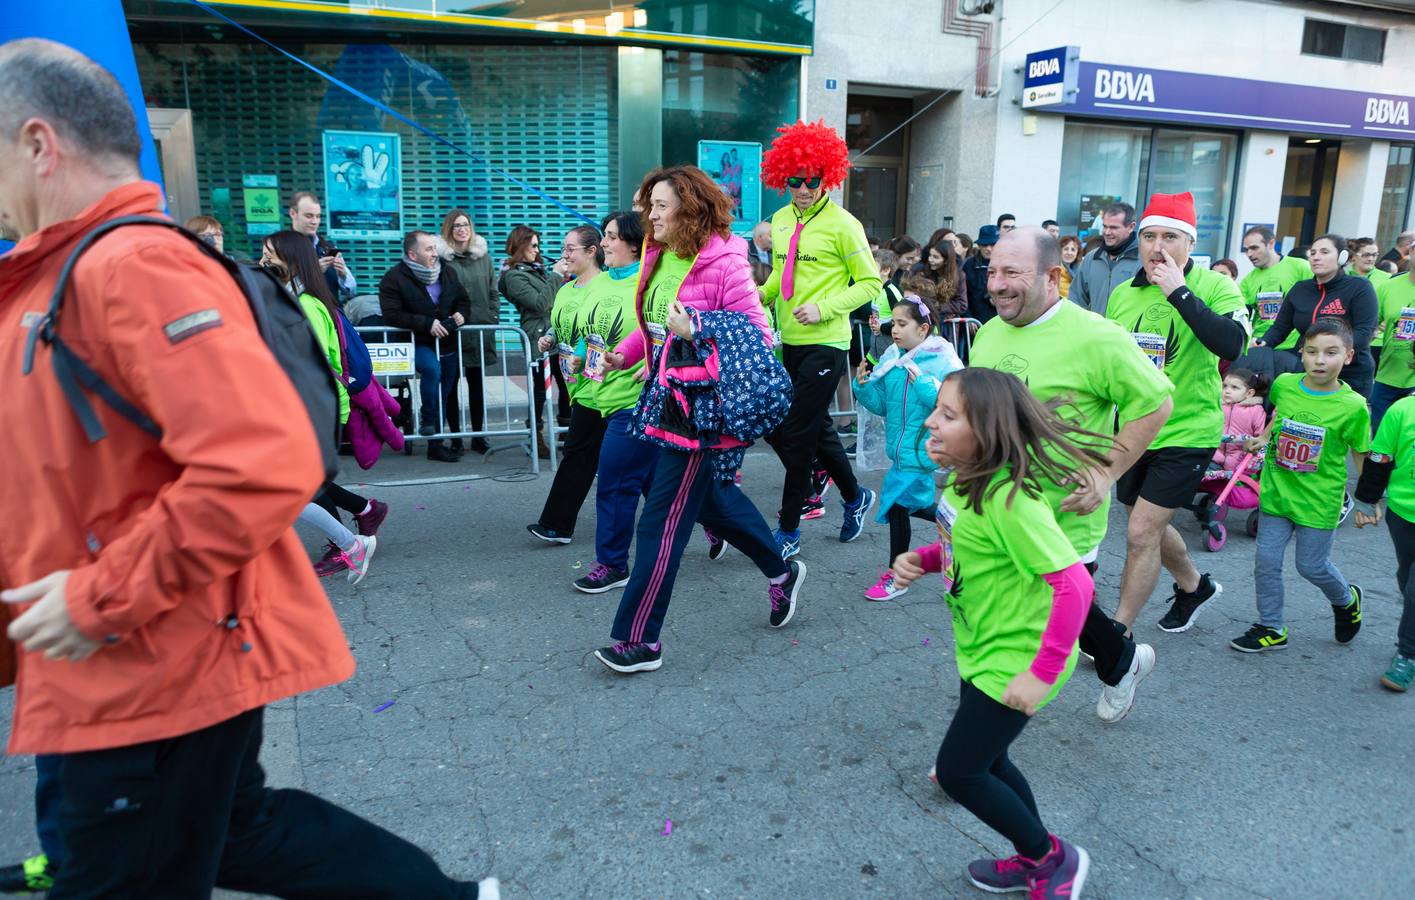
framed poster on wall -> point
(363, 175)
(737, 168)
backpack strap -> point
(73, 374)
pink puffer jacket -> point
(1239, 423)
(371, 424)
(720, 279)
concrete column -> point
(1259, 196)
(640, 118)
(1360, 176)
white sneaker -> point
(488, 889)
(360, 556)
(1115, 702)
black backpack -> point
(278, 315)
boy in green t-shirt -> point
(1316, 421)
(1391, 471)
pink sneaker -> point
(884, 589)
(331, 563)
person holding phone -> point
(305, 214)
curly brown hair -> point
(704, 209)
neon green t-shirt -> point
(1396, 439)
(607, 319)
(564, 320)
(1397, 311)
(1143, 310)
(1304, 475)
(834, 269)
(1263, 290)
(664, 281)
(1377, 277)
(993, 565)
(1108, 374)
(324, 329)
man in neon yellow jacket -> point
(823, 270)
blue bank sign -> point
(1158, 95)
(1050, 77)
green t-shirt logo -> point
(1013, 364)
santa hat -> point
(1172, 211)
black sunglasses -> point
(796, 181)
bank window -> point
(1395, 194)
(1104, 164)
(1340, 41)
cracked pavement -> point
(793, 762)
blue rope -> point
(416, 126)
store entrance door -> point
(1307, 187)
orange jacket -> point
(184, 562)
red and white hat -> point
(1172, 211)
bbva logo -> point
(1040, 68)
(1119, 84)
(1381, 111)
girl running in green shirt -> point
(1019, 595)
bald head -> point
(1024, 275)
(79, 99)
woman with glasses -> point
(465, 253)
(529, 288)
(581, 261)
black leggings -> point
(975, 770)
(333, 498)
(900, 534)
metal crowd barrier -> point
(511, 376)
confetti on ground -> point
(385, 706)
(794, 642)
(419, 507)
(926, 642)
(578, 566)
(531, 686)
(667, 827)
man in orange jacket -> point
(159, 596)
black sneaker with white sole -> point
(1184, 607)
(630, 656)
(783, 596)
(601, 578)
(549, 535)
(1260, 639)
(1348, 617)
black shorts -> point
(1168, 477)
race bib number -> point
(1299, 446)
(658, 334)
(568, 362)
(1269, 302)
(1152, 345)
(1405, 326)
(945, 515)
(594, 358)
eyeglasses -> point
(570, 248)
(460, 225)
(1371, 255)
(796, 181)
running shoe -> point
(855, 515)
(549, 535)
(820, 483)
(783, 596)
(1259, 639)
(1347, 619)
(1116, 702)
(332, 562)
(1001, 876)
(369, 521)
(631, 656)
(788, 542)
(716, 545)
(884, 589)
(601, 578)
(1061, 873)
(1346, 506)
(1399, 674)
(813, 508)
(488, 889)
(933, 775)
(29, 877)
(359, 557)
(1184, 607)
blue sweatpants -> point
(626, 465)
(685, 490)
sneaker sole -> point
(1234, 645)
(795, 592)
(1194, 616)
(600, 590)
(548, 540)
(889, 597)
(357, 575)
(647, 666)
(1083, 869)
(1140, 677)
(1393, 686)
(1020, 889)
(864, 513)
(813, 514)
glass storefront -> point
(1395, 195)
(1101, 164)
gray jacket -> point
(473, 270)
(1098, 275)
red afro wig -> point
(813, 148)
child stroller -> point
(1223, 491)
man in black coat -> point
(975, 275)
(419, 295)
